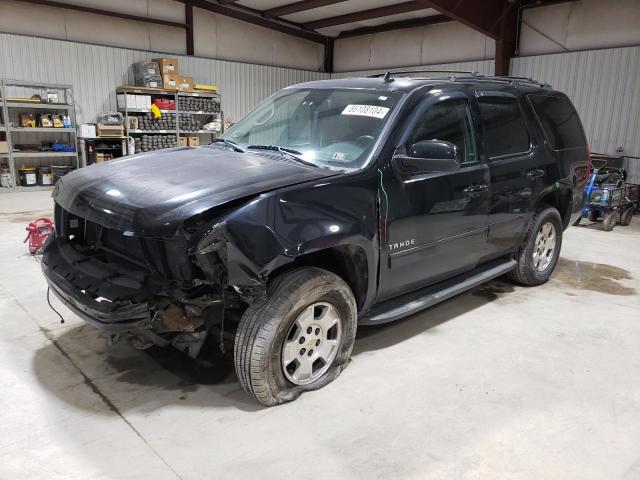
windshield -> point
(325, 127)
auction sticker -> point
(366, 111)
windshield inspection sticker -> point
(366, 111)
(339, 156)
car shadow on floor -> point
(378, 337)
(157, 377)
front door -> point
(433, 225)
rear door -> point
(433, 225)
(516, 166)
(566, 142)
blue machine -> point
(608, 195)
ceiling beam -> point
(329, 55)
(300, 6)
(188, 18)
(367, 14)
(482, 16)
(106, 13)
(386, 27)
(256, 17)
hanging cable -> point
(51, 306)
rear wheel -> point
(298, 339)
(539, 252)
(626, 216)
(609, 220)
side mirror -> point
(428, 156)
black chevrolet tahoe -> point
(334, 203)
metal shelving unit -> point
(8, 106)
(42, 129)
(175, 96)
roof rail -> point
(506, 79)
(406, 72)
(458, 75)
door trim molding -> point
(437, 242)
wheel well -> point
(347, 261)
(561, 200)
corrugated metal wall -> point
(604, 85)
(483, 66)
(96, 71)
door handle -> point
(476, 189)
(533, 174)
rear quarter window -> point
(559, 121)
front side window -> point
(328, 127)
(505, 132)
(448, 120)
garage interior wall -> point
(604, 85)
(572, 46)
(434, 44)
(96, 71)
(215, 36)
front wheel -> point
(626, 216)
(609, 221)
(298, 338)
(540, 250)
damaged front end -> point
(156, 291)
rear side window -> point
(559, 120)
(504, 128)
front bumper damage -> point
(108, 295)
(139, 297)
(110, 317)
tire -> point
(593, 216)
(526, 272)
(626, 216)
(268, 325)
(609, 221)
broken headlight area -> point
(147, 289)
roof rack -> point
(506, 79)
(389, 74)
(458, 75)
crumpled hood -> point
(151, 194)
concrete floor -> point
(501, 382)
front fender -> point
(276, 228)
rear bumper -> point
(111, 317)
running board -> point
(408, 304)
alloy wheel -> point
(544, 247)
(312, 343)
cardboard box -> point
(170, 81)
(110, 130)
(88, 130)
(167, 65)
(183, 142)
(131, 100)
(193, 141)
(143, 101)
(4, 146)
(185, 84)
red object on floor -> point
(38, 230)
